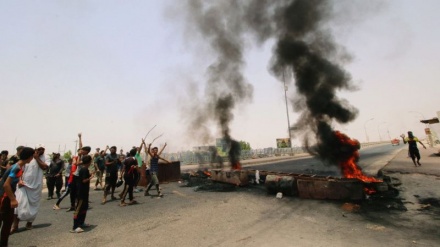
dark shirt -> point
(3, 168)
(100, 162)
(112, 169)
(55, 168)
(14, 159)
(412, 143)
(130, 166)
(83, 188)
(154, 163)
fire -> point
(348, 164)
(207, 173)
(236, 166)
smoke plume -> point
(304, 49)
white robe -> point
(29, 196)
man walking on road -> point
(32, 181)
(412, 147)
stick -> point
(149, 132)
(156, 138)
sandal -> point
(123, 204)
(29, 226)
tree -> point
(245, 145)
(67, 155)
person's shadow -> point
(23, 228)
(89, 228)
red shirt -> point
(73, 169)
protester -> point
(67, 169)
(130, 174)
(14, 159)
(54, 177)
(83, 188)
(111, 173)
(67, 186)
(74, 173)
(67, 190)
(30, 192)
(138, 168)
(4, 162)
(412, 147)
(154, 168)
(8, 186)
(99, 164)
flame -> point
(348, 164)
(236, 166)
(369, 191)
(207, 173)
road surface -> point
(248, 216)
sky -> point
(112, 70)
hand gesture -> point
(402, 135)
(14, 203)
(20, 183)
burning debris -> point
(305, 50)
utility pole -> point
(365, 128)
(287, 110)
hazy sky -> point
(114, 69)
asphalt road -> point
(243, 216)
(372, 159)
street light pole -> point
(287, 109)
(365, 128)
(378, 130)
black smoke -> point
(305, 49)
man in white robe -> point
(29, 190)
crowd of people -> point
(21, 181)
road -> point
(372, 159)
(248, 216)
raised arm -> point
(149, 150)
(145, 146)
(160, 152)
(80, 141)
(139, 149)
(41, 163)
(403, 138)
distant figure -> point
(412, 147)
